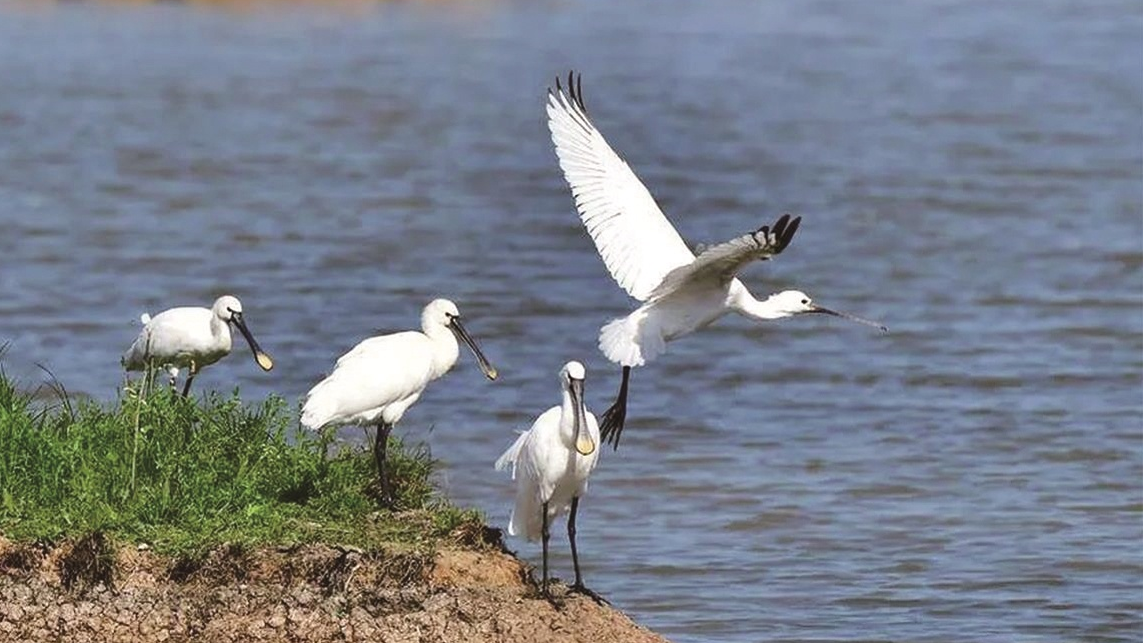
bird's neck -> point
(745, 304)
(567, 419)
(446, 349)
(219, 328)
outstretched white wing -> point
(637, 243)
(718, 264)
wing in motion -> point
(719, 264)
(637, 243)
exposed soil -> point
(89, 590)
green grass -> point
(185, 475)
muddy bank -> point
(92, 591)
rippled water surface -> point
(970, 172)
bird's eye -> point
(805, 301)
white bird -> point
(381, 377)
(190, 337)
(551, 463)
(679, 292)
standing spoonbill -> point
(191, 337)
(381, 377)
(551, 463)
(679, 292)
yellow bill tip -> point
(492, 373)
(585, 446)
(264, 361)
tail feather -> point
(511, 454)
(526, 520)
(135, 359)
(129, 361)
(318, 409)
(628, 341)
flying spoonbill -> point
(679, 292)
(551, 463)
(191, 337)
(381, 377)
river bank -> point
(83, 591)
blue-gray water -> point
(970, 172)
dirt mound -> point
(88, 590)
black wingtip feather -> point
(781, 234)
(574, 92)
(790, 230)
(780, 227)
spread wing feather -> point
(719, 264)
(636, 242)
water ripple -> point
(968, 172)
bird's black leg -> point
(380, 443)
(545, 534)
(614, 417)
(190, 378)
(578, 587)
(571, 539)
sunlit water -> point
(969, 172)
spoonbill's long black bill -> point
(836, 313)
(458, 328)
(260, 356)
(583, 442)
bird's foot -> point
(541, 589)
(556, 603)
(612, 425)
(580, 588)
(382, 495)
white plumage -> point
(551, 463)
(636, 242)
(192, 338)
(680, 293)
(547, 468)
(381, 377)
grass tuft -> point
(88, 562)
(187, 475)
